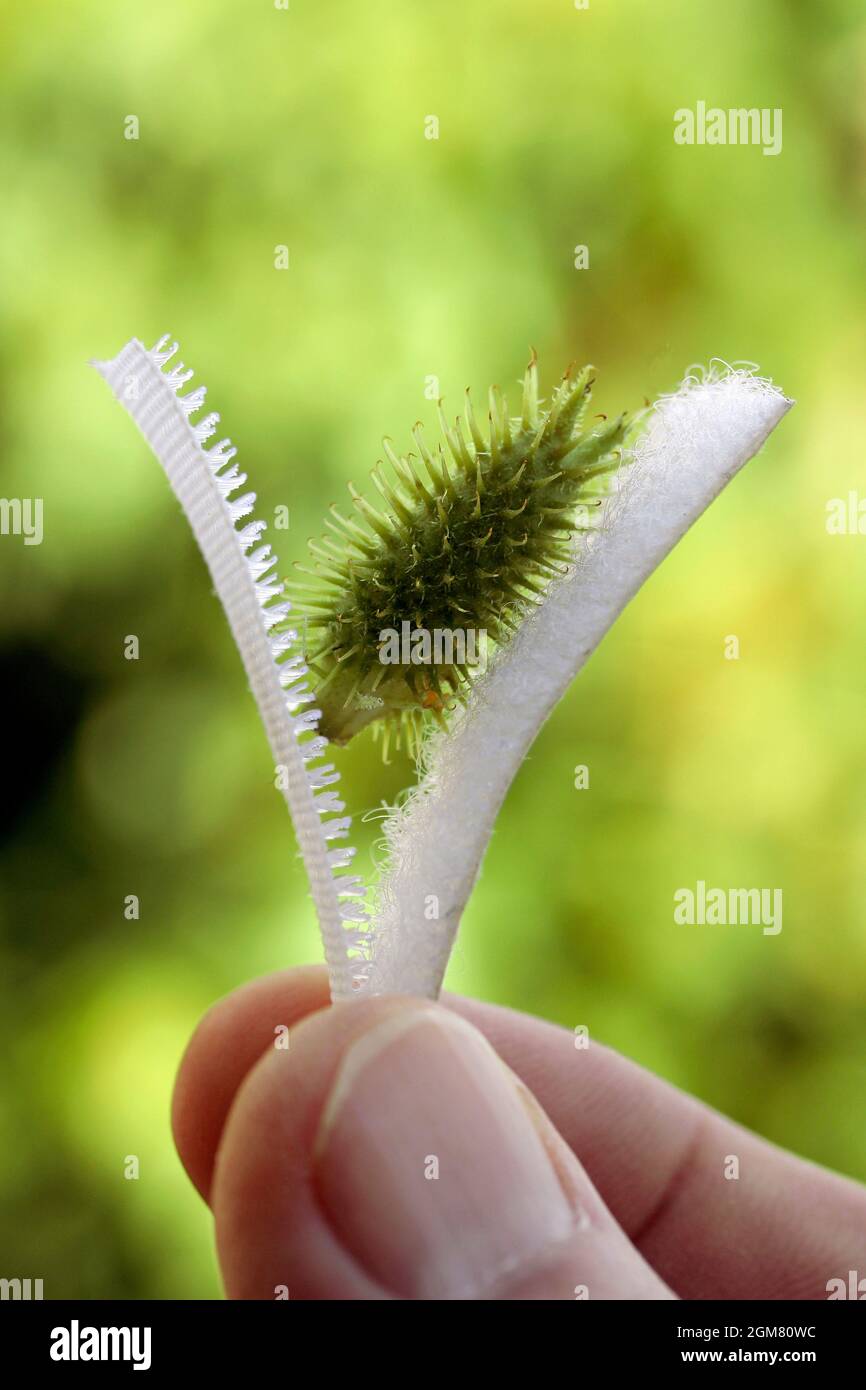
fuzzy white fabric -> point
(695, 441)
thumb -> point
(389, 1152)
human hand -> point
(388, 1152)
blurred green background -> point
(412, 258)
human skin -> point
(389, 1151)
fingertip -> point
(225, 1046)
(388, 1152)
(273, 1237)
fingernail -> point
(431, 1166)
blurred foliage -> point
(410, 258)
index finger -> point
(717, 1211)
